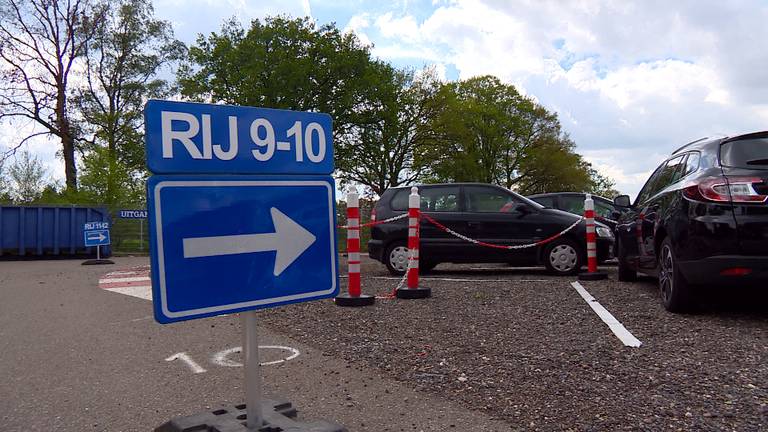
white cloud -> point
(357, 25)
(631, 80)
(403, 27)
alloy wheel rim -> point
(563, 258)
(398, 258)
(666, 274)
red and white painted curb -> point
(134, 282)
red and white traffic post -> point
(589, 215)
(413, 290)
(354, 296)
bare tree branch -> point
(41, 42)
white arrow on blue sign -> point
(225, 244)
(96, 237)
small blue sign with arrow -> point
(225, 244)
(96, 233)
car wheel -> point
(396, 258)
(626, 272)
(674, 289)
(562, 257)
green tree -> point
(471, 130)
(284, 63)
(486, 131)
(551, 165)
(600, 184)
(124, 185)
(27, 175)
(384, 152)
(123, 59)
(41, 43)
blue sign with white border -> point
(96, 234)
(223, 244)
(194, 138)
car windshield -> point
(746, 153)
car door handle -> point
(473, 224)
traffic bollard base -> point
(414, 293)
(278, 416)
(97, 262)
(361, 300)
(587, 276)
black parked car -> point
(701, 218)
(487, 213)
(573, 202)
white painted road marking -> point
(193, 366)
(142, 291)
(616, 327)
(125, 279)
(221, 357)
(134, 283)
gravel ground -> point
(525, 348)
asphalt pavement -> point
(74, 357)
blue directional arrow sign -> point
(225, 244)
(96, 234)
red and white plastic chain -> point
(370, 224)
(491, 245)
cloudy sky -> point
(631, 81)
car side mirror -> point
(522, 208)
(622, 201)
(615, 215)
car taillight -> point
(736, 271)
(720, 189)
(373, 215)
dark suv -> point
(483, 212)
(701, 218)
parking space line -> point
(125, 279)
(616, 327)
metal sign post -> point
(254, 418)
(96, 234)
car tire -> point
(626, 272)
(674, 289)
(396, 258)
(563, 257)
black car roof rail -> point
(690, 143)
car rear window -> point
(545, 201)
(434, 199)
(400, 200)
(746, 153)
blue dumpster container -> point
(39, 231)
